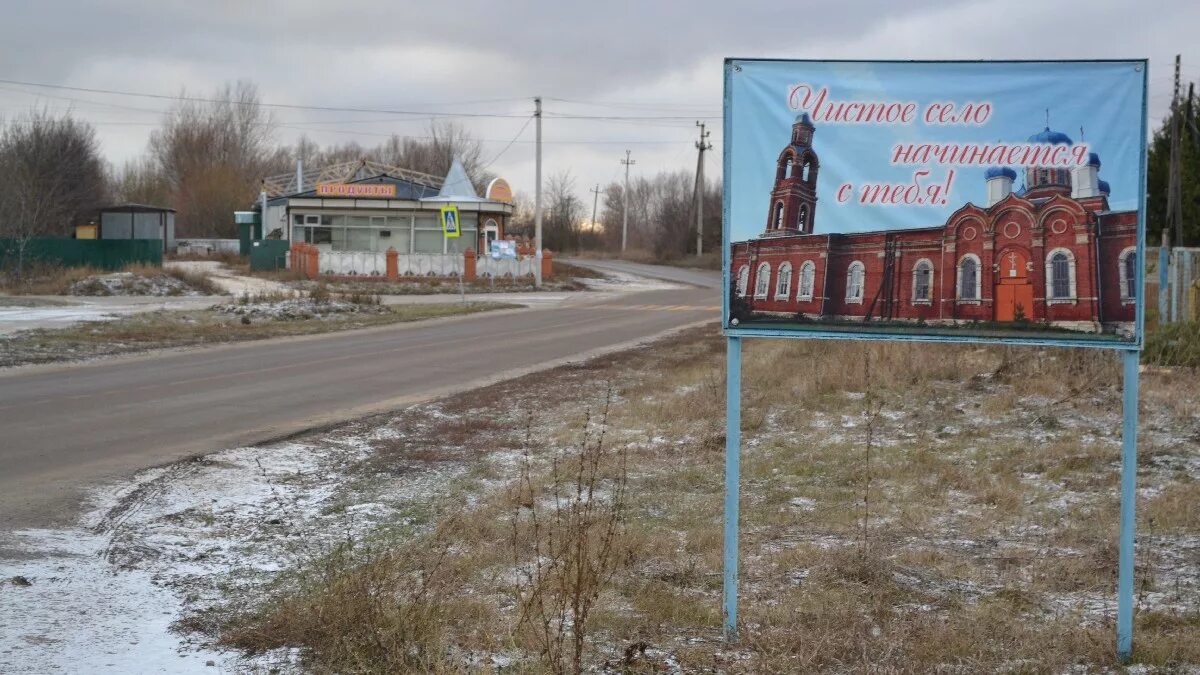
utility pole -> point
(537, 197)
(625, 218)
(701, 145)
(595, 201)
(1174, 190)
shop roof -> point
(405, 189)
(136, 208)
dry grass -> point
(56, 280)
(41, 279)
(905, 508)
(167, 329)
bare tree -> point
(213, 154)
(141, 182)
(51, 178)
(662, 218)
(564, 213)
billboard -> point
(940, 201)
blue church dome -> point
(998, 171)
(1104, 188)
(803, 117)
(1051, 137)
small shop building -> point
(134, 221)
(367, 215)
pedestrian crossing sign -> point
(450, 222)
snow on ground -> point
(128, 283)
(296, 309)
(13, 319)
(102, 595)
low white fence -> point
(371, 263)
(207, 246)
(487, 266)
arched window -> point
(806, 175)
(968, 278)
(783, 283)
(1128, 273)
(1060, 276)
(743, 280)
(788, 167)
(808, 275)
(778, 215)
(855, 278)
(922, 293)
(803, 219)
(762, 281)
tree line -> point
(209, 155)
(206, 161)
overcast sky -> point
(615, 59)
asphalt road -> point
(63, 428)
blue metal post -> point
(1128, 503)
(1164, 258)
(733, 472)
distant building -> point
(378, 212)
(138, 221)
(1052, 252)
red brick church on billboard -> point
(1051, 253)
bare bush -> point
(365, 609)
(566, 551)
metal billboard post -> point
(1130, 359)
(733, 471)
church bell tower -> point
(794, 197)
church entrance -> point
(1014, 292)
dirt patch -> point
(254, 319)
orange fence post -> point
(469, 265)
(393, 264)
(314, 263)
(547, 264)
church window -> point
(1128, 274)
(855, 279)
(968, 278)
(1060, 276)
(808, 273)
(922, 282)
(783, 285)
(743, 280)
(762, 281)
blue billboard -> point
(943, 201)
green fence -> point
(268, 254)
(107, 254)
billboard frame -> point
(1130, 355)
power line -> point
(510, 143)
(285, 106)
